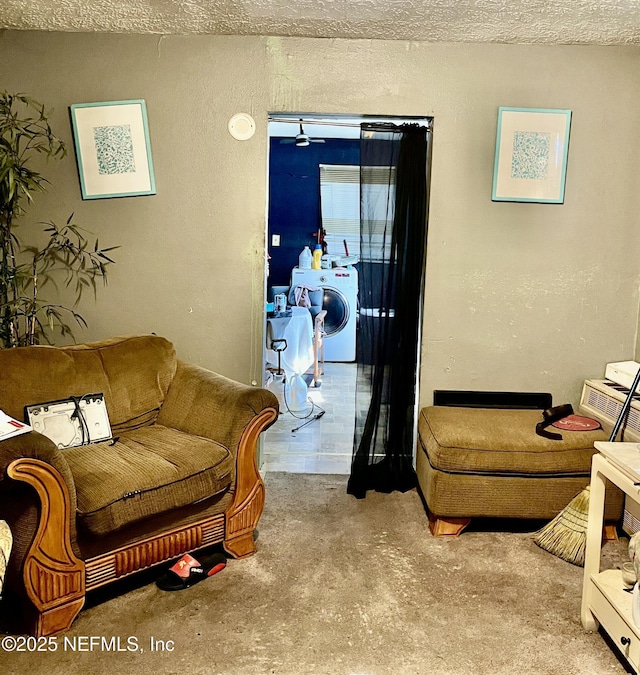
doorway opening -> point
(313, 199)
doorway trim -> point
(346, 126)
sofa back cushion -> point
(134, 373)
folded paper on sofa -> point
(10, 427)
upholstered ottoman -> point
(484, 462)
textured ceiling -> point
(523, 21)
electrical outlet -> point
(275, 240)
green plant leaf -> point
(65, 257)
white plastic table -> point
(604, 600)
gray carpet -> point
(341, 586)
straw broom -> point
(566, 535)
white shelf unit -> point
(604, 600)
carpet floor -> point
(345, 586)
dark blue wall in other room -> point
(294, 198)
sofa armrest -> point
(210, 405)
(206, 404)
(38, 498)
(34, 446)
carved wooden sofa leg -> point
(54, 577)
(241, 518)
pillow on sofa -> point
(145, 473)
(134, 373)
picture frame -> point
(113, 150)
(532, 147)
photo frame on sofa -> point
(113, 149)
(532, 146)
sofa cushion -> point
(144, 473)
(134, 374)
(497, 441)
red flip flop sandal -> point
(188, 571)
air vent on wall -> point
(630, 521)
(603, 400)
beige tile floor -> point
(325, 445)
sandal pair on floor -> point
(188, 571)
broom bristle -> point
(566, 535)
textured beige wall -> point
(518, 296)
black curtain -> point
(393, 241)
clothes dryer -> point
(340, 299)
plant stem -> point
(31, 329)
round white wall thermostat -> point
(242, 126)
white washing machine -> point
(340, 299)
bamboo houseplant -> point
(26, 318)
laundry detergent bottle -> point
(305, 258)
(316, 263)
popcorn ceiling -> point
(608, 22)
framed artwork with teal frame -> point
(113, 150)
(532, 146)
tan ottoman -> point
(487, 462)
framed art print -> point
(532, 145)
(113, 149)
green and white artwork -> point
(530, 163)
(113, 149)
(530, 158)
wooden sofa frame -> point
(56, 580)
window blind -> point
(340, 207)
(340, 192)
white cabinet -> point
(604, 600)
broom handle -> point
(625, 407)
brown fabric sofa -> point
(180, 473)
